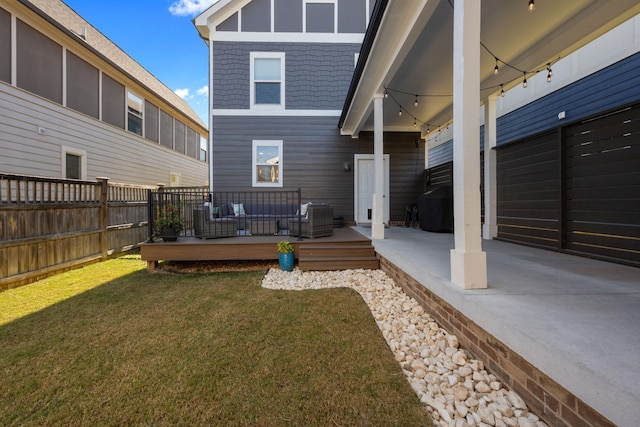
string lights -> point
(496, 70)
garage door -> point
(602, 186)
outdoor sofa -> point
(231, 219)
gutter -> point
(367, 44)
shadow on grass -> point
(202, 349)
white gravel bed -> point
(456, 389)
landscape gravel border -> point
(456, 388)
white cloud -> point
(204, 90)
(189, 7)
(182, 93)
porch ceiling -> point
(412, 52)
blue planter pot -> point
(286, 261)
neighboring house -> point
(74, 105)
(280, 71)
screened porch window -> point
(267, 163)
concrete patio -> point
(575, 319)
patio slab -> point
(574, 318)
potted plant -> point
(168, 222)
(285, 255)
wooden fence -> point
(49, 225)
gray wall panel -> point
(314, 153)
(615, 85)
(288, 16)
(231, 24)
(256, 16)
(320, 18)
(83, 83)
(317, 76)
(352, 17)
(5, 46)
(113, 101)
(39, 63)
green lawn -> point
(110, 344)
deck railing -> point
(253, 212)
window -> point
(74, 164)
(267, 80)
(134, 113)
(203, 149)
(267, 163)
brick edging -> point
(553, 403)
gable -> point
(286, 20)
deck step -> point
(351, 250)
(326, 263)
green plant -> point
(168, 216)
(284, 247)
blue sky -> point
(160, 36)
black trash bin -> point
(435, 210)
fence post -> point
(104, 207)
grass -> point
(112, 345)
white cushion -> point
(238, 209)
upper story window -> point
(267, 80)
(267, 163)
(134, 113)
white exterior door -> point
(364, 188)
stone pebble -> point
(457, 390)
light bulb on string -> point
(400, 112)
(415, 104)
(549, 73)
(502, 90)
(532, 6)
(524, 82)
(415, 124)
(386, 94)
(496, 69)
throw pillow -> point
(238, 209)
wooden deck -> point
(344, 249)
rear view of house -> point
(280, 73)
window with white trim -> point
(74, 163)
(267, 80)
(267, 164)
(135, 107)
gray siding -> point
(287, 16)
(230, 24)
(256, 16)
(320, 18)
(5, 46)
(317, 75)
(615, 85)
(351, 18)
(111, 152)
(313, 156)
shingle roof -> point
(63, 15)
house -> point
(74, 105)
(280, 71)
(553, 164)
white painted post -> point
(490, 227)
(468, 261)
(377, 222)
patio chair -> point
(317, 223)
(208, 228)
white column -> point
(490, 227)
(377, 222)
(468, 261)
